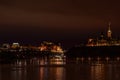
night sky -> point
(67, 21)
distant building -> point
(6, 45)
(104, 41)
(49, 46)
(15, 45)
(109, 32)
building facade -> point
(104, 41)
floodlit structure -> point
(15, 45)
(49, 46)
(6, 45)
(104, 41)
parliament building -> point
(104, 41)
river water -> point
(59, 69)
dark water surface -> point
(57, 69)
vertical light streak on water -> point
(52, 73)
(97, 71)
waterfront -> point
(59, 69)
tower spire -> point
(109, 26)
(109, 33)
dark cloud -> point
(48, 18)
(41, 12)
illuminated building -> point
(49, 46)
(57, 49)
(109, 32)
(6, 45)
(42, 48)
(15, 45)
(104, 41)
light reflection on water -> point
(97, 71)
(42, 62)
(52, 73)
(58, 69)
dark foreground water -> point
(57, 69)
